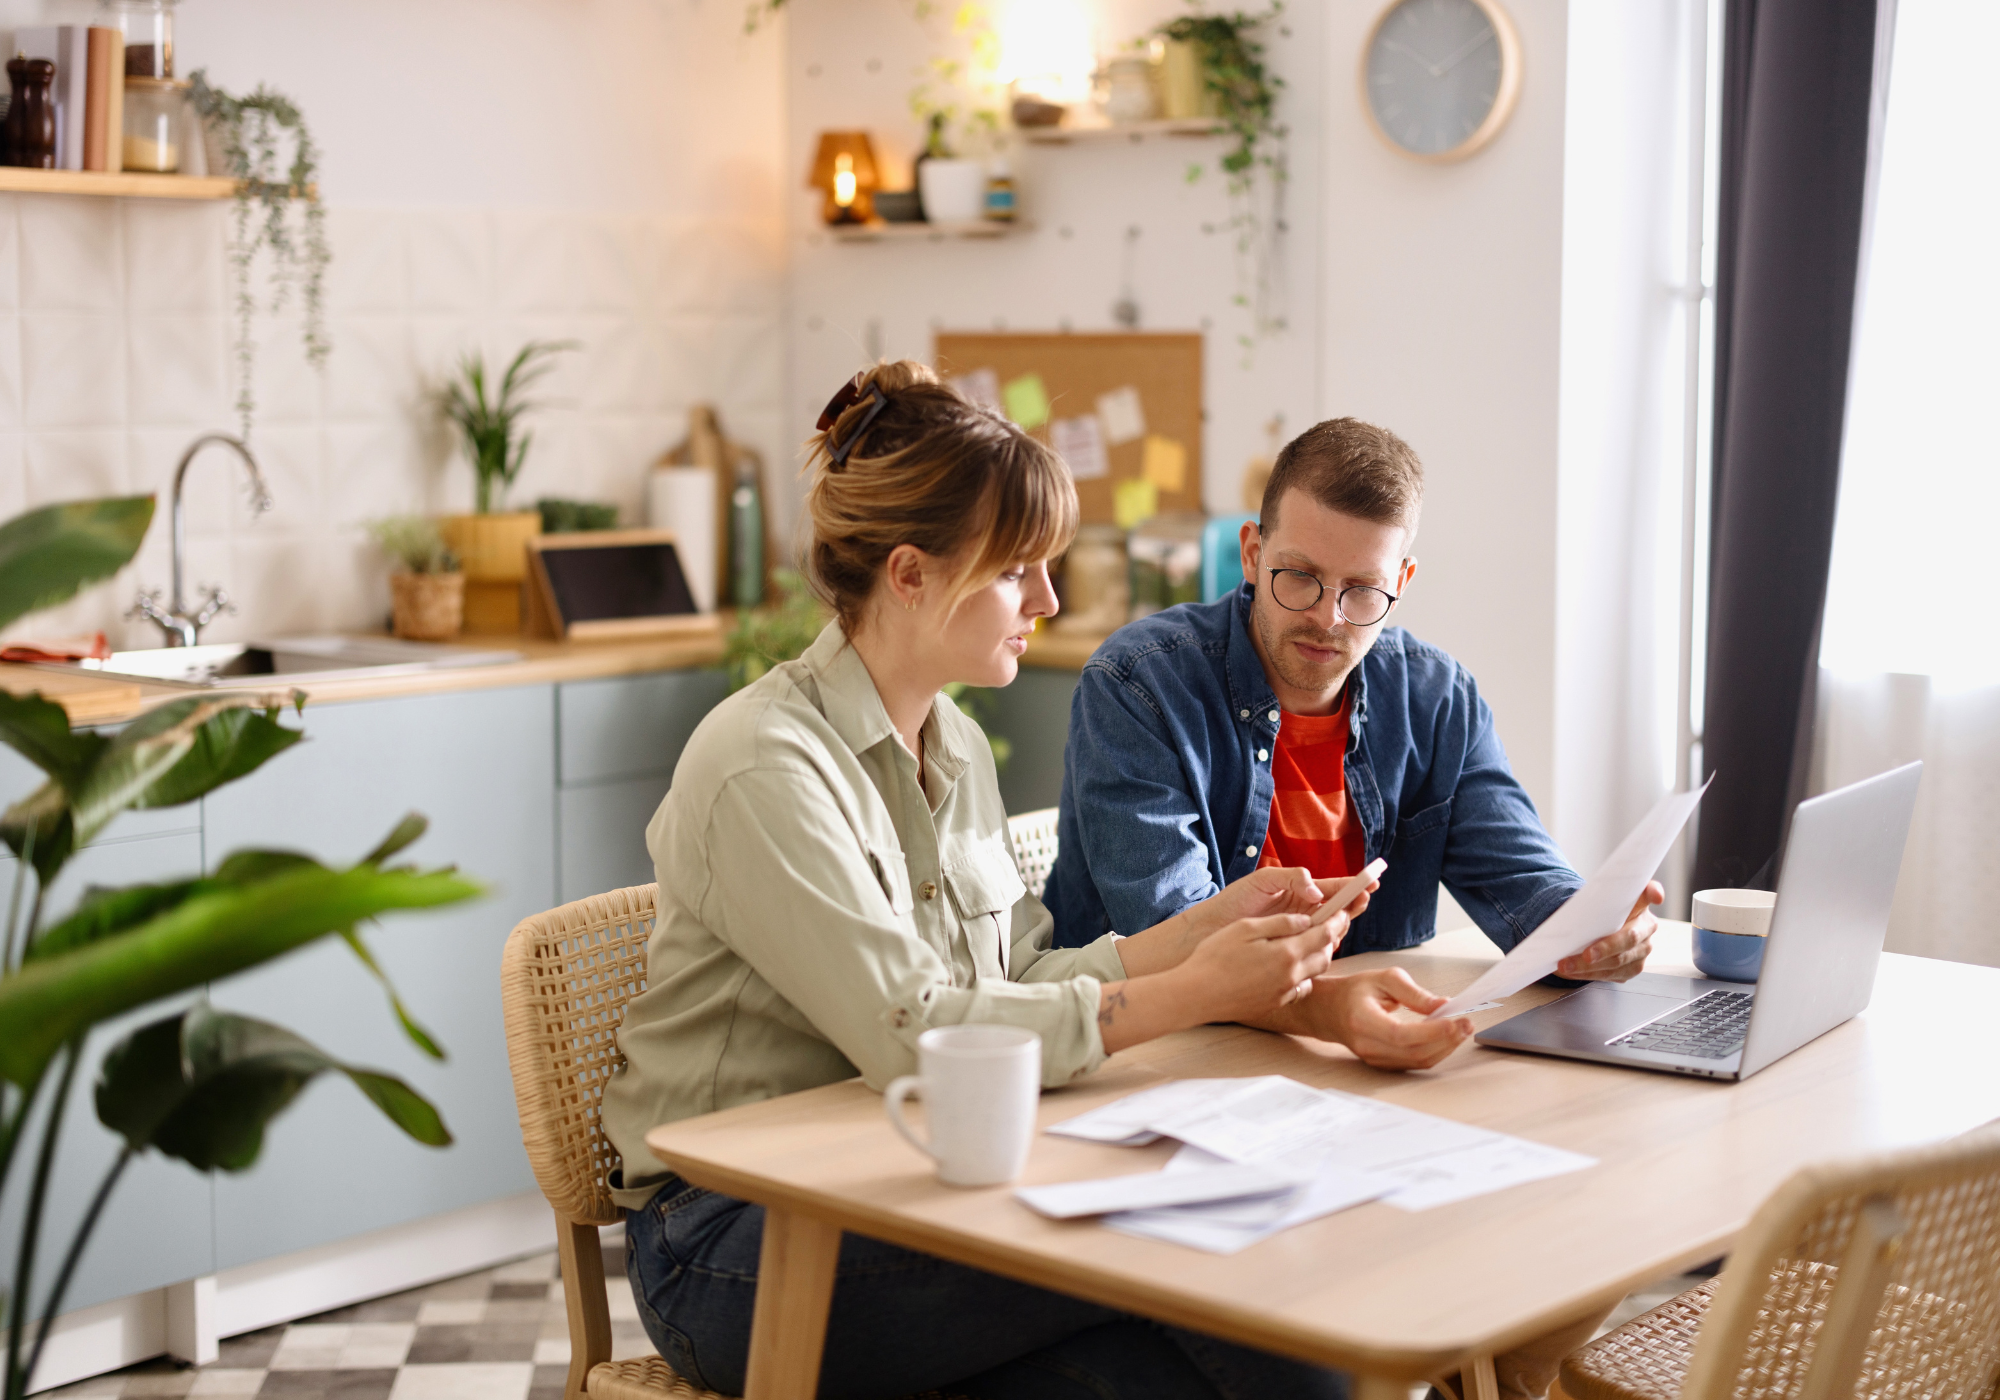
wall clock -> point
(1439, 78)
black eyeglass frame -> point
(1339, 599)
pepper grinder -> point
(31, 114)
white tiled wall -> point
(115, 354)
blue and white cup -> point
(1730, 927)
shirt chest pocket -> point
(985, 886)
(893, 871)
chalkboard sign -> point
(611, 583)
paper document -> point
(1216, 1181)
(1589, 914)
(1346, 1149)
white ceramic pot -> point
(954, 190)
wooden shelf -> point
(923, 232)
(1133, 132)
(128, 183)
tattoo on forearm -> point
(1114, 1002)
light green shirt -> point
(819, 910)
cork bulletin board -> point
(1124, 410)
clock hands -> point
(1465, 51)
(1411, 53)
(1438, 70)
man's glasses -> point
(1361, 605)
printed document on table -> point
(1593, 911)
(1345, 1148)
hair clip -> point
(848, 396)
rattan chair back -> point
(565, 977)
(1034, 837)
(1876, 1278)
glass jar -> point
(1129, 95)
(155, 113)
(148, 27)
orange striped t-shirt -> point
(1311, 822)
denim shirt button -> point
(1273, 717)
(1242, 714)
(1250, 851)
(1263, 755)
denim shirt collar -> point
(1250, 689)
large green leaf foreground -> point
(82, 972)
(202, 1085)
(47, 554)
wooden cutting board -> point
(86, 699)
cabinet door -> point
(627, 725)
(481, 766)
(158, 1226)
(604, 835)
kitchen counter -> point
(93, 699)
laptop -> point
(1826, 936)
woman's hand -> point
(1360, 1010)
(1260, 894)
(1246, 969)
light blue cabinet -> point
(481, 766)
(617, 743)
(540, 792)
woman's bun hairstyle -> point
(902, 458)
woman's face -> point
(984, 639)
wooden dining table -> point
(1391, 1296)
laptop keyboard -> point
(1707, 1028)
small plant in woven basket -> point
(427, 591)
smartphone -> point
(1344, 896)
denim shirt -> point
(1167, 785)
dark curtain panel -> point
(1796, 78)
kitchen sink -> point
(254, 665)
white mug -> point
(980, 1085)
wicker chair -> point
(1034, 838)
(565, 977)
(1873, 1278)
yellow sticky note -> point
(1165, 463)
(1134, 503)
(1027, 401)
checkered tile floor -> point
(498, 1334)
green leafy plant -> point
(201, 1085)
(277, 212)
(1236, 75)
(490, 423)
(414, 543)
(560, 517)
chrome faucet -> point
(183, 628)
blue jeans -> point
(904, 1322)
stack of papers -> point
(1261, 1155)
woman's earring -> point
(911, 606)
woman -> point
(835, 878)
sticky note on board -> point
(1164, 463)
(1027, 401)
(1134, 503)
(1122, 415)
(1080, 443)
(980, 386)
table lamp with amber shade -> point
(845, 168)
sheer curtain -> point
(1910, 651)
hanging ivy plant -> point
(277, 213)
(1245, 92)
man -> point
(1289, 725)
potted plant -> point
(277, 213)
(427, 589)
(199, 1084)
(491, 543)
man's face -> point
(1307, 655)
